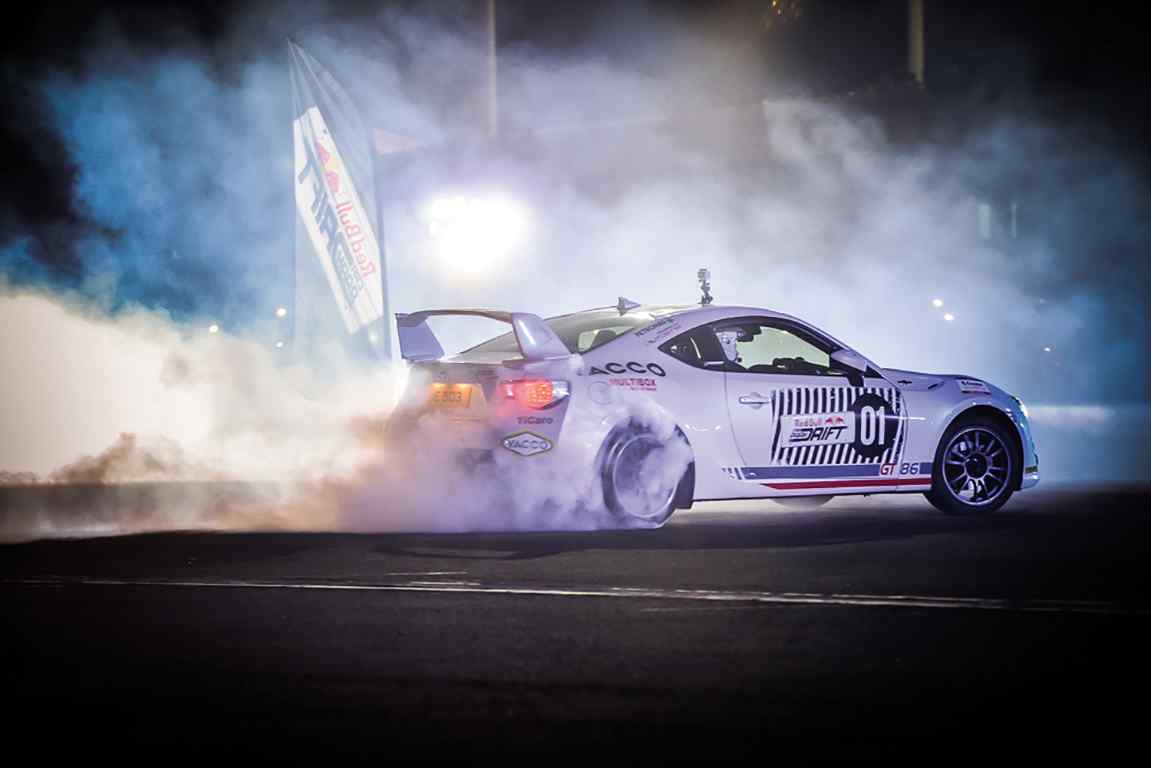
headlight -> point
(1022, 407)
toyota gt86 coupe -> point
(761, 404)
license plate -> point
(451, 396)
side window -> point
(698, 348)
(766, 347)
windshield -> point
(580, 332)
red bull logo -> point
(817, 422)
(331, 176)
(346, 213)
(339, 225)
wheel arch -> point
(685, 492)
(1001, 419)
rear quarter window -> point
(697, 348)
(580, 332)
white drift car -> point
(740, 402)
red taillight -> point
(535, 393)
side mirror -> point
(849, 358)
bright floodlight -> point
(937, 303)
(213, 328)
(281, 311)
(949, 317)
(473, 234)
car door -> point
(802, 424)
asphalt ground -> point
(870, 628)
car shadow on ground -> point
(845, 521)
(742, 532)
(1117, 511)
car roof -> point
(713, 312)
(710, 311)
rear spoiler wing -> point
(535, 338)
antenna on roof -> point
(704, 277)
(626, 305)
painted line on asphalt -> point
(643, 593)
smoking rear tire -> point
(975, 467)
(642, 478)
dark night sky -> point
(1093, 62)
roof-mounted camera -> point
(704, 277)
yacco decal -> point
(527, 443)
(877, 432)
(653, 369)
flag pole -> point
(493, 75)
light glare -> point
(937, 303)
(948, 317)
(473, 234)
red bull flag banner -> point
(339, 262)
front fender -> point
(937, 416)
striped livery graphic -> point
(844, 463)
(803, 401)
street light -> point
(281, 311)
(213, 328)
(937, 303)
(948, 317)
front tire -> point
(974, 470)
(644, 475)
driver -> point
(727, 339)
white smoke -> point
(157, 426)
(221, 407)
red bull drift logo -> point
(818, 429)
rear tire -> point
(640, 489)
(975, 468)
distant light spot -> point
(1047, 349)
(281, 311)
(937, 303)
(279, 345)
(213, 328)
(948, 317)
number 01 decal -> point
(875, 425)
